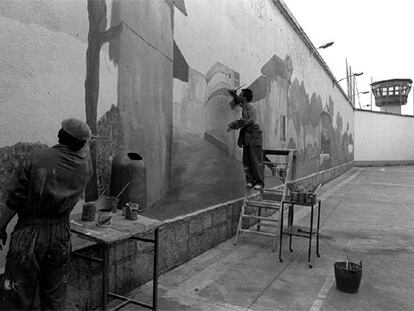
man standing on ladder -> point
(250, 138)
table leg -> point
(105, 278)
(317, 228)
(310, 237)
(281, 232)
(155, 272)
(290, 224)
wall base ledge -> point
(384, 163)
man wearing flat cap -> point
(43, 193)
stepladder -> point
(261, 209)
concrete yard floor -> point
(367, 214)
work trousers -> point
(253, 158)
(38, 258)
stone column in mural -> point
(98, 35)
(145, 88)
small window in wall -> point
(283, 128)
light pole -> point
(352, 75)
(353, 88)
(363, 92)
(324, 46)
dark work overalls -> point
(250, 138)
(43, 193)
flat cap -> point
(77, 128)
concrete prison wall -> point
(171, 75)
(168, 70)
(383, 139)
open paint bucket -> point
(131, 211)
(104, 218)
(111, 203)
(88, 211)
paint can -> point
(104, 218)
(88, 211)
(111, 203)
(131, 211)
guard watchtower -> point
(390, 95)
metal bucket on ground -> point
(348, 276)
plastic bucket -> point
(348, 280)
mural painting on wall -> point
(219, 80)
(98, 35)
(111, 140)
(319, 134)
(320, 143)
(215, 112)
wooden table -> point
(121, 229)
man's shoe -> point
(249, 185)
(258, 187)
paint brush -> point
(123, 189)
(240, 87)
(317, 188)
(235, 90)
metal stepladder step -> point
(268, 198)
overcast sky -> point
(376, 36)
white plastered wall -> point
(383, 137)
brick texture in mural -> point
(111, 139)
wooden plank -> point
(264, 204)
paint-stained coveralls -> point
(43, 193)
